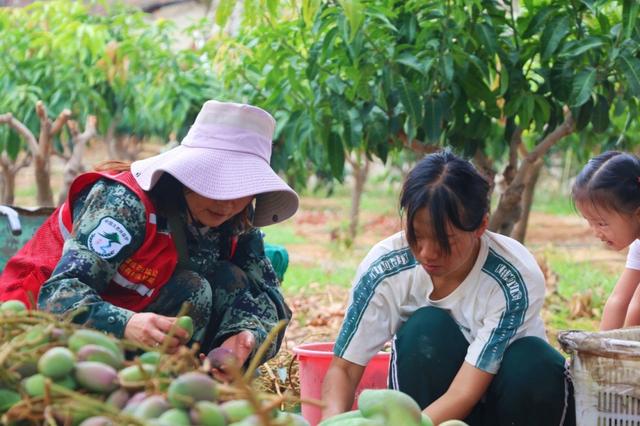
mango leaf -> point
(354, 12)
(541, 111)
(487, 35)
(447, 67)
(525, 113)
(630, 10)
(582, 115)
(537, 22)
(272, 7)
(309, 10)
(411, 61)
(582, 46)
(554, 32)
(432, 122)
(600, 115)
(411, 101)
(631, 68)
(224, 11)
(336, 154)
(582, 87)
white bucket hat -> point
(225, 156)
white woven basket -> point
(605, 368)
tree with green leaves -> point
(499, 81)
(114, 65)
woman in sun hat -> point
(132, 243)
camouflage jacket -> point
(81, 274)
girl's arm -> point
(616, 309)
(633, 311)
(339, 386)
(467, 388)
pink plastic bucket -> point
(314, 360)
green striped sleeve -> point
(384, 267)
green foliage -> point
(115, 65)
(369, 75)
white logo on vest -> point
(108, 238)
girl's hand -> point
(232, 353)
(152, 329)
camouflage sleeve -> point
(108, 227)
(264, 302)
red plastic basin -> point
(313, 362)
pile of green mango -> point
(84, 378)
(384, 407)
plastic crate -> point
(605, 368)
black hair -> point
(168, 193)
(611, 181)
(452, 191)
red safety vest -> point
(138, 279)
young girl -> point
(462, 305)
(607, 194)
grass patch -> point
(576, 278)
(298, 277)
(553, 202)
(282, 234)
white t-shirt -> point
(633, 256)
(498, 302)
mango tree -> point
(493, 80)
(115, 66)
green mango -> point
(426, 420)
(93, 352)
(97, 421)
(8, 398)
(56, 362)
(386, 402)
(96, 376)
(190, 387)
(362, 421)
(152, 407)
(13, 306)
(34, 385)
(150, 358)
(355, 414)
(236, 410)
(174, 417)
(186, 323)
(291, 419)
(136, 376)
(85, 336)
(118, 398)
(207, 413)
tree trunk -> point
(9, 188)
(110, 140)
(43, 181)
(510, 205)
(74, 166)
(360, 173)
(520, 229)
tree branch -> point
(64, 116)
(26, 162)
(23, 130)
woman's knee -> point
(534, 366)
(431, 333)
(228, 276)
(428, 320)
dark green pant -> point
(531, 388)
(223, 304)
